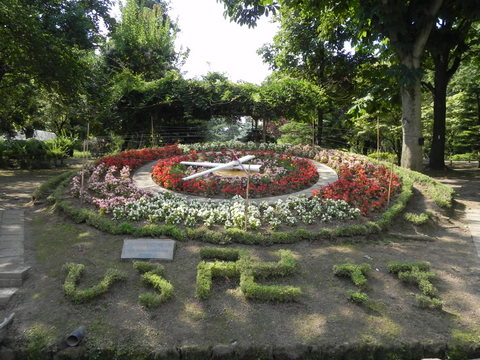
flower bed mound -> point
(363, 188)
(280, 174)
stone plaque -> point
(161, 249)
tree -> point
(44, 40)
(403, 26)
(143, 42)
(450, 39)
(298, 51)
(44, 46)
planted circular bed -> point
(352, 205)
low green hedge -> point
(358, 275)
(75, 271)
(46, 188)
(152, 275)
(239, 265)
(418, 274)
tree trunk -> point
(411, 125)
(437, 152)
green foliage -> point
(204, 280)
(49, 186)
(226, 254)
(75, 271)
(358, 297)
(241, 266)
(164, 287)
(418, 219)
(465, 157)
(418, 273)
(267, 293)
(427, 302)
(440, 193)
(143, 41)
(295, 133)
(38, 339)
(356, 273)
(397, 267)
(144, 266)
(152, 275)
(383, 156)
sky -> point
(216, 44)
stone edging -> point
(142, 178)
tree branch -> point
(428, 86)
(421, 40)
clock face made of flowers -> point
(236, 164)
(270, 174)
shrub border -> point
(235, 235)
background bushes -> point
(34, 154)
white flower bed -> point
(175, 210)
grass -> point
(418, 219)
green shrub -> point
(267, 293)
(287, 265)
(465, 157)
(145, 266)
(418, 274)
(384, 156)
(241, 264)
(204, 280)
(417, 219)
(358, 297)
(441, 194)
(227, 254)
(153, 276)
(428, 302)
(74, 272)
(163, 286)
(357, 273)
(38, 339)
(60, 148)
(396, 267)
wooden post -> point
(378, 134)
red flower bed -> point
(364, 186)
(136, 158)
(299, 174)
